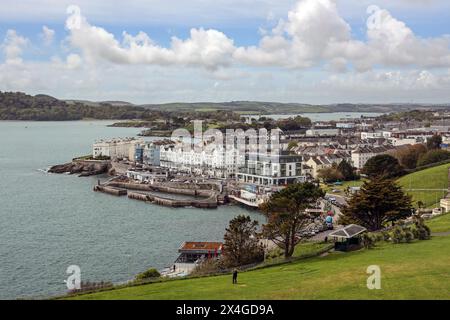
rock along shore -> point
(83, 168)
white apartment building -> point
(120, 148)
(322, 132)
(208, 160)
(362, 154)
(271, 170)
(371, 135)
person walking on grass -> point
(235, 274)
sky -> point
(157, 51)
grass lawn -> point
(409, 271)
(432, 178)
(302, 250)
(345, 185)
(440, 224)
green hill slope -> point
(432, 178)
(335, 276)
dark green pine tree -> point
(347, 170)
(241, 244)
(382, 165)
(379, 202)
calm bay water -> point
(319, 116)
(49, 221)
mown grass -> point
(417, 270)
(302, 250)
(432, 178)
(440, 224)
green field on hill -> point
(432, 178)
(435, 178)
(417, 270)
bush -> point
(433, 156)
(397, 235)
(421, 230)
(208, 266)
(368, 240)
(408, 235)
(149, 274)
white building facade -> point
(121, 148)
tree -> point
(378, 202)
(330, 174)
(408, 156)
(433, 156)
(286, 214)
(241, 246)
(434, 142)
(382, 165)
(347, 171)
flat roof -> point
(201, 246)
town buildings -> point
(121, 148)
(271, 169)
(301, 156)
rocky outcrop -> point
(82, 168)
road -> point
(341, 202)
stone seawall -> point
(112, 191)
(209, 198)
(209, 203)
(144, 187)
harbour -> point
(63, 222)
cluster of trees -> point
(420, 155)
(405, 116)
(20, 106)
(287, 219)
(344, 171)
(297, 123)
(379, 203)
(409, 157)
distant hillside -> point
(255, 107)
(100, 103)
(21, 106)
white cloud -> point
(13, 46)
(315, 33)
(47, 35)
(392, 43)
(310, 56)
(73, 61)
(207, 48)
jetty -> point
(198, 198)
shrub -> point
(149, 274)
(397, 235)
(433, 156)
(208, 266)
(408, 235)
(422, 231)
(386, 236)
(368, 240)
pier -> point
(201, 198)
